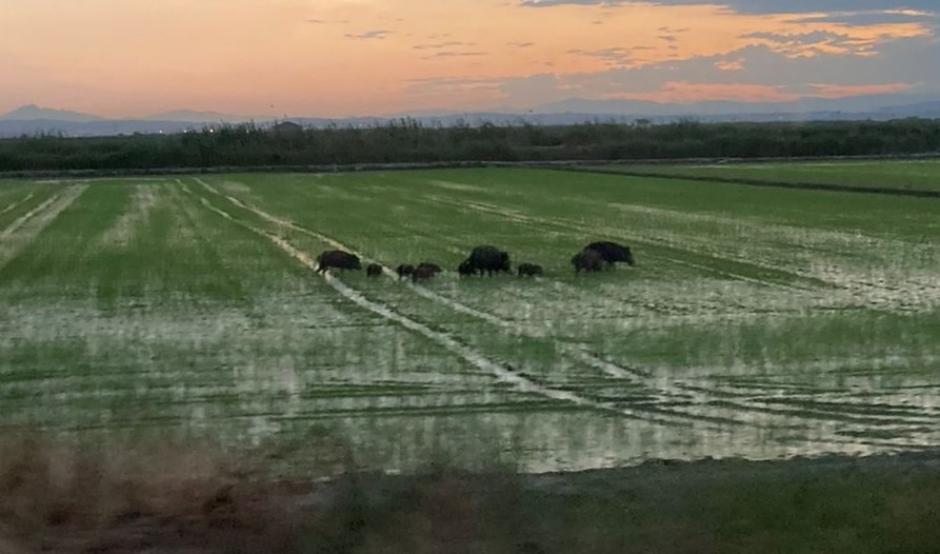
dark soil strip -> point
(576, 164)
(759, 182)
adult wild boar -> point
(587, 260)
(374, 270)
(489, 259)
(337, 259)
(466, 268)
(612, 252)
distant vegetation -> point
(409, 141)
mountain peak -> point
(31, 112)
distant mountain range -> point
(35, 113)
(32, 120)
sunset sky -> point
(371, 57)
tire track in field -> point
(16, 203)
(468, 354)
(450, 245)
(883, 294)
(711, 398)
(34, 221)
(850, 405)
(63, 198)
(568, 226)
(20, 221)
(892, 292)
(888, 294)
(571, 226)
(665, 392)
(516, 217)
(726, 397)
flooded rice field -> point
(758, 322)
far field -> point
(919, 175)
(759, 322)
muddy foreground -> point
(178, 501)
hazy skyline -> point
(366, 57)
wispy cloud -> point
(442, 45)
(612, 56)
(454, 54)
(377, 34)
(867, 18)
(314, 21)
(816, 43)
(763, 6)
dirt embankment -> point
(176, 498)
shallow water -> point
(749, 328)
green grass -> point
(900, 175)
(758, 322)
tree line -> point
(408, 141)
